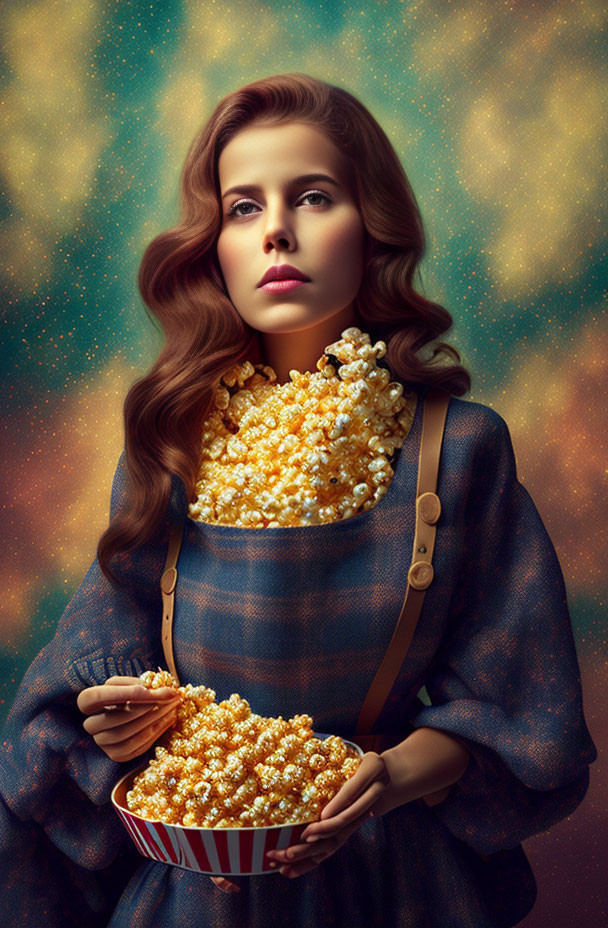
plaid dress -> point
(298, 620)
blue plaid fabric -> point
(298, 620)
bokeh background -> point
(497, 111)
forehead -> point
(263, 153)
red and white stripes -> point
(236, 851)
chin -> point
(284, 318)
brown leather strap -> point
(167, 586)
(420, 574)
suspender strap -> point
(167, 586)
(420, 574)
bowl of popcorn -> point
(226, 785)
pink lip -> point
(281, 285)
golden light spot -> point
(60, 491)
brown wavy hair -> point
(181, 283)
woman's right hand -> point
(123, 734)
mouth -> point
(282, 272)
(281, 285)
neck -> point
(301, 349)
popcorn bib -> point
(315, 449)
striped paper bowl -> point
(227, 851)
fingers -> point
(120, 724)
(93, 699)
(102, 721)
(118, 679)
(137, 742)
(304, 866)
(356, 795)
(352, 813)
(301, 858)
(225, 885)
(145, 723)
(367, 771)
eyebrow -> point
(302, 179)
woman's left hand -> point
(344, 814)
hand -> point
(126, 732)
(343, 815)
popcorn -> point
(222, 766)
(316, 449)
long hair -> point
(181, 283)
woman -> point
(296, 615)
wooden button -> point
(420, 575)
(429, 507)
(168, 580)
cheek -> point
(228, 257)
(343, 247)
(231, 266)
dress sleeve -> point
(505, 680)
(63, 849)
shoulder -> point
(478, 435)
(475, 436)
(479, 421)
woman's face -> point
(278, 217)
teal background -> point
(497, 113)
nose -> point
(278, 231)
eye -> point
(240, 204)
(317, 193)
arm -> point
(63, 850)
(505, 680)
(424, 765)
